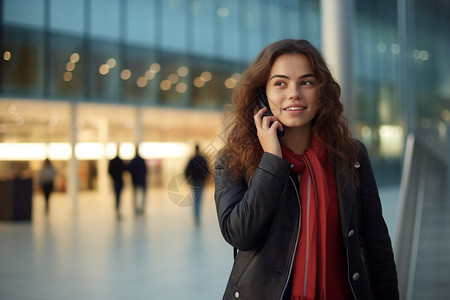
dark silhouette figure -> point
(115, 170)
(138, 170)
(46, 181)
(196, 172)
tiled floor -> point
(82, 252)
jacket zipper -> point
(296, 241)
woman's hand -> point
(267, 133)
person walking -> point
(138, 170)
(116, 169)
(295, 193)
(46, 181)
(196, 173)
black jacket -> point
(262, 220)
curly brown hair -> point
(242, 149)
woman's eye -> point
(279, 83)
(306, 82)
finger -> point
(277, 125)
(266, 122)
(258, 116)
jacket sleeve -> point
(245, 212)
(376, 243)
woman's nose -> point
(294, 93)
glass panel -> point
(377, 103)
(67, 16)
(174, 25)
(14, 13)
(68, 67)
(202, 12)
(105, 21)
(171, 93)
(143, 86)
(22, 63)
(106, 69)
(142, 25)
(253, 20)
(229, 16)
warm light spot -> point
(446, 115)
(198, 82)
(149, 75)
(23, 151)
(67, 76)
(183, 71)
(206, 76)
(395, 48)
(423, 55)
(173, 78)
(89, 151)
(59, 151)
(104, 69)
(223, 12)
(163, 150)
(111, 63)
(230, 83)
(391, 140)
(381, 47)
(70, 66)
(125, 74)
(236, 76)
(75, 57)
(7, 55)
(141, 82)
(165, 85)
(181, 87)
(155, 68)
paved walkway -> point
(82, 252)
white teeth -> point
(294, 108)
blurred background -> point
(83, 79)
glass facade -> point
(103, 51)
(189, 54)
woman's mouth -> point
(295, 108)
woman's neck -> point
(297, 139)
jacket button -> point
(236, 294)
(351, 233)
(355, 276)
(357, 164)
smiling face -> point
(292, 91)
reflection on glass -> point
(104, 69)
(67, 76)
(7, 55)
(125, 74)
(181, 87)
(141, 82)
(75, 57)
(165, 85)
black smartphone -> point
(263, 102)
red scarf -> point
(309, 271)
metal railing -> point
(422, 238)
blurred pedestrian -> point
(46, 181)
(196, 172)
(115, 169)
(138, 170)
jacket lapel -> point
(346, 194)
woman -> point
(302, 210)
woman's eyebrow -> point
(287, 77)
